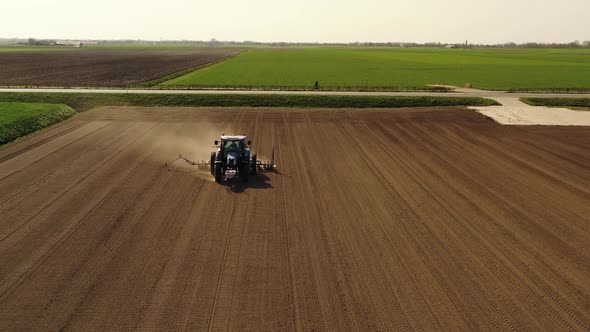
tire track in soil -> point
(260, 267)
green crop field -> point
(397, 68)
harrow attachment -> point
(198, 163)
(268, 166)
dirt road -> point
(379, 219)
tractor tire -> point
(254, 167)
(212, 163)
(218, 173)
(244, 173)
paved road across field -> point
(459, 92)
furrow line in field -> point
(458, 277)
(20, 217)
(285, 135)
(26, 159)
(112, 235)
(20, 272)
(373, 229)
(358, 145)
(397, 196)
(39, 139)
(453, 212)
(558, 303)
(15, 270)
(222, 265)
(513, 174)
(83, 146)
(315, 288)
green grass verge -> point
(558, 102)
(85, 101)
(20, 119)
(166, 86)
(398, 68)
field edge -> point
(86, 101)
(52, 114)
(557, 102)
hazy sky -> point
(489, 21)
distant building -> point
(69, 43)
(75, 43)
(452, 46)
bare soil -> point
(421, 219)
(99, 68)
(515, 112)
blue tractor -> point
(232, 161)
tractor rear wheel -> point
(254, 167)
(244, 172)
(212, 163)
(218, 174)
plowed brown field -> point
(99, 68)
(379, 219)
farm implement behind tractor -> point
(232, 160)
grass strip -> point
(85, 101)
(548, 90)
(20, 119)
(559, 102)
(301, 88)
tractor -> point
(232, 161)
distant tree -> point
(586, 43)
(32, 41)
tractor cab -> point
(232, 158)
(234, 145)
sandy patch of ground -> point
(515, 112)
(457, 88)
